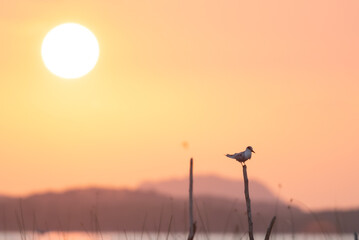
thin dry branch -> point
(269, 230)
(248, 202)
(192, 225)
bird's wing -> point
(231, 156)
(239, 156)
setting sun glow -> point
(70, 51)
(118, 93)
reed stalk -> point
(269, 230)
(192, 224)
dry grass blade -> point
(21, 222)
(169, 228)
(269, 230)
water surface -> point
(161, 236)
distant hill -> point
(210, 185)
(103, 209)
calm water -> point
(155, 236)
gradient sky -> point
(281, 76)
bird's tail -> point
(230, 155)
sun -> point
(70, 50)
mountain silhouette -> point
(210, 185)
(145, 209)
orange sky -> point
(281, 76)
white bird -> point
(242, 156)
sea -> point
(162, 236)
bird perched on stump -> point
(242, 156)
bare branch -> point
(248, 202)
(269, 230)
(192, 225)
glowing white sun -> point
(70, 50)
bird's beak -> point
(253, 151)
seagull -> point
(242, 156)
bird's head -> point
(251, 149)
